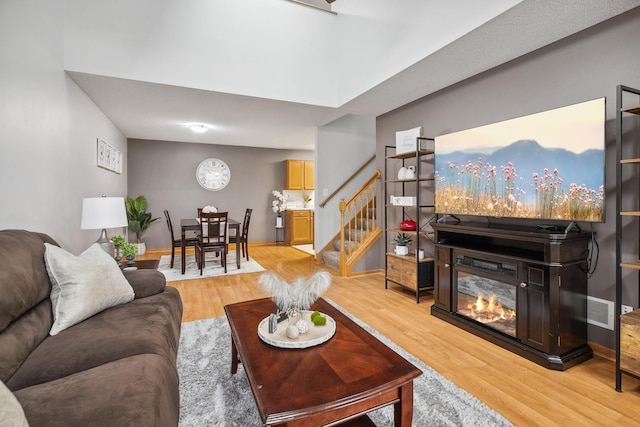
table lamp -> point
(102, 213)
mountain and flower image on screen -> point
(548, 165)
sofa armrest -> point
(146, 282)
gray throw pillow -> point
(83, 285)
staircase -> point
(359, 232)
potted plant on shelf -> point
(129, 251)
(139, 219)
(402, 242)
(307, 200)
(118, 245)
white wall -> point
(370, 52)
(48, 130)
(247, 47)
(342, 147)
(262, 48)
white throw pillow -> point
(11, 412)
(83, 285)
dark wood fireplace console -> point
(545, 270)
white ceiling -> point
(266, 73)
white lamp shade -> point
(103, 212)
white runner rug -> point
(212, 268)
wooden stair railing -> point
(358, 220)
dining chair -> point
(177, 243)
(213, 237)
(198, 216)
(242, 236)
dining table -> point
(193, 224)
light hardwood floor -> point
(520, 390)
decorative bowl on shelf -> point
(408, 225)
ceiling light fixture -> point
(198, 128)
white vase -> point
(278, 221)
(142, 248)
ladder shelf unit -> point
(415, 202)
(627, 326)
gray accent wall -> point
(165, 173)
(584, 66)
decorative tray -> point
(316, 334)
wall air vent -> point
(600, 312)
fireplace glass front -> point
(482, 294)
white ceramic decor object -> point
(410, 173)
(402, 173)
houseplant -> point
(278, 206)
(402, 241)
(129, 251)
(118, 245)
(139, 218)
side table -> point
(142, 264)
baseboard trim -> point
(602, 351)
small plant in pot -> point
(402, 241)
(139, 218)
(118, 245)
(129, 251)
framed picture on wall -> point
(102, 155)
(118, 165)
(108, 157)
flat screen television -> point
(547, 166)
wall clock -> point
(213, 174)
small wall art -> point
(109, 157)
(406, 140)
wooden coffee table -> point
(340, 380)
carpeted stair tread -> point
(331, 258)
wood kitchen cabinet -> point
(298, 227)
(299, 175)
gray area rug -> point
(211, 396)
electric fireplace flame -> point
(486, 311)
(491, 312)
